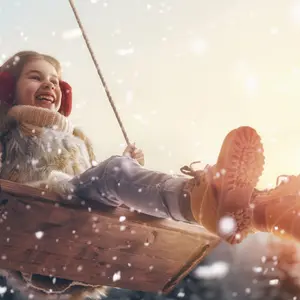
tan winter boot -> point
(277, 211)
(224, 191)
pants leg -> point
(121, 180)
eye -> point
(35, 77)
(54, 81)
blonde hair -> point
(15, 64)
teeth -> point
(44, 97)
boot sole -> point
(238, 169)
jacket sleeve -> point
(58, 182)
(79, 133)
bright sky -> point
(182, 72)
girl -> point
(40, 147)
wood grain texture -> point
(43, 234)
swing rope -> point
(108, 94)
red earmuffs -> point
(7, 88)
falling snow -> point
(245, 60)
(39, 234)
(125, 51)
(3, 290)
(71, 34)
(274, 282)
(117, 276)
(216, 270)
(227, 225)
(122, 218)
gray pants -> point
(121, 180)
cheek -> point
(31, 89)
(25, 93)
(58, 96)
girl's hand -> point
(135, 153)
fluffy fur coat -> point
(41, 147)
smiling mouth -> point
(48, 98)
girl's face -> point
(38, 85)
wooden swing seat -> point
(95, 244)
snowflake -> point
(122, 218)
(3, 290)
(274, 282)
(181, 294)
(216, 270)
(117, 276)
(125, 51)
(39, 234)
(227, 225)
(257, 269)
(71, 34)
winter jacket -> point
(35, 144)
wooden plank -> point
(100, 254)
(61, 266)
(22, 191)
(141, 248)
(86, 226)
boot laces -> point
(196, 174)
(282, 179)
(288, 183)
